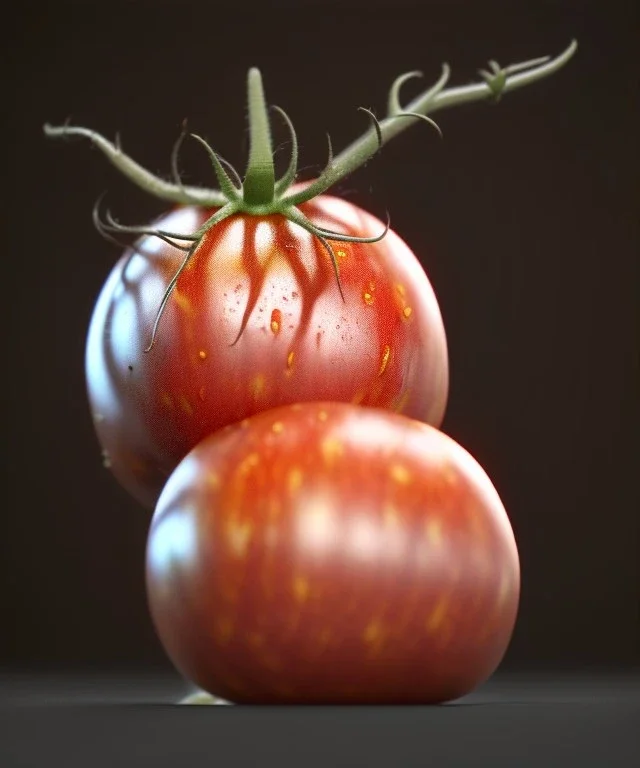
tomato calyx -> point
(260, 193)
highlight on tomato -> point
(326, 553)
(263, 292)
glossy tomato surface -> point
(329, 553)
(257, 320)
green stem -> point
(137, 174)
(259, 181)
(260, 195)
(432, 100)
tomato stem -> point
(260, 194)
(142, 178)
(495, 85)
(259, 180)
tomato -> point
(256, 320)
(285, 293)
(331, 553)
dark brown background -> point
(525, 219)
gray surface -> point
(20, 689)
(100, 721)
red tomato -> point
(329, 553)
(256, 320)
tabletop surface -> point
(134, 719)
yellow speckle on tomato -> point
(407, 312)
(433, 529)
(167, 400)
(257, 385)
(332, 449)
(277, 427)
(186, 405)
(301, 589)
(182, 301)
(449, 474)
(373, 633)
(386, 352)
(368, 298)
(401, 401)
(341, 254)
(255, 639)
(290, 360)
(213, 480)
(400, 473)
(436, 617)
(248, 463)
(400, 289)
(358, 397)
(224, 630)
(239, 536)
(294, 479)
(202, 354)
(322, 415)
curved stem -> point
(355, 155)
(259, 181)
(340, 238)
(228, 210)
(139, 175)
(465, 94)
(224, 180)
(292, 169)
(297, 217)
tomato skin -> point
(384, 346)
(328, 553)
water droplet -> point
(276, 320)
